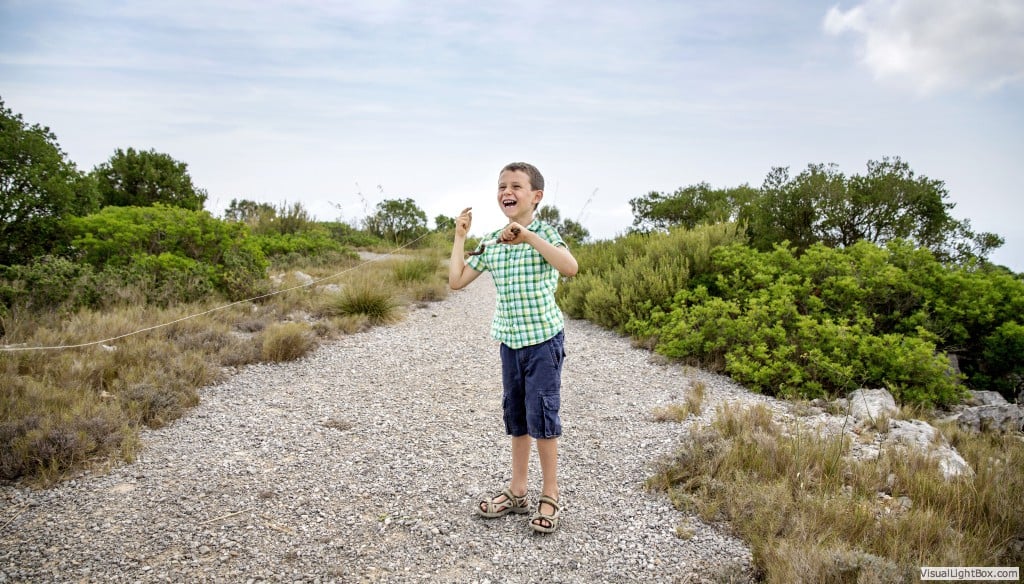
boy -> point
(525, 259)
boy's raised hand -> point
(512, 234)
(464, 221)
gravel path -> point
(362, 463)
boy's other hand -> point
(463, 223)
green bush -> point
(1003, 366)
(822, 323)
(48, 282)
(168, 278)
(122, 236)
(817, 323)
(626, 279)
(312, 243)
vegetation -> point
(807, 325)
(822, 205)
(693, 404)
(811, 514)
(397, 221)
(171, 245)
(63, 410)
(134, 178)
(39, 190)
(571, 231)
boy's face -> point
(516, 196)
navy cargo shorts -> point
(532, 381)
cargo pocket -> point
(552, 421)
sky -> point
(339, 105)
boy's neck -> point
(523, 220)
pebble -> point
(363, 462)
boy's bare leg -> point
(520, 467)
(547, 451)
(520, 463)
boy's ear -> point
(537, 196)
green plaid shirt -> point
(526, 313)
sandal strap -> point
(511, 501)
(516, 501)
(546, 499)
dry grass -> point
(812, 515)
(287, 341)
(692, 404)
(62, 411)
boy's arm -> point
(559, 257)
(459, 274)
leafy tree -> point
(571, 231)
(444, 223)
(286, 220)
(397, 220)
(887, 203)
(142, 178)
(688, 207)
(39, 190)
(790, 209)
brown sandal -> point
(512, 504)
(551, 519)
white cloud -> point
(933, 45)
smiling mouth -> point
(509, 203)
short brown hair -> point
(536, 178)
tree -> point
(444, 223)
(788, 209)
(142, 178)
(571, 231)
(39, 190)
(689, 206)
(821, 204)
(397, 220)
(550, 215)
(248, 212)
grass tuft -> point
(367, 298)
(287, 341)
(693, 404)
(415, 269)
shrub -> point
(307, 243)
(825, 322)
(121, 236)
(627, 279)
(345, 234)
(48, 282)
